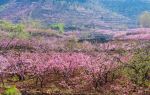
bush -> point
(59, 26)
(19, 32)
(15, 30)
(144, 19)
(12, 91)
(139, 68)
(6, 26)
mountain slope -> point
(84, 14)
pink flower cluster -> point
(4, 64)
(41, 63)
(90, 68)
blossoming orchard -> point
(41, 61)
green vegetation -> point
(58, 26)
(139, 68)
(144, 19)
(15, 30)
(6, 26)
(11, 91)
(19, 32)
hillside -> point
(82, 14)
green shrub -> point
(12, 91)
(6, 26)
(138, 69)
(144, 19)
(19, 32)
(59, 26)
(15, 30)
